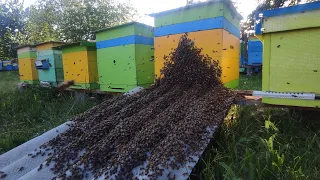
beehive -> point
(27, 55)
(125, 57)
(254, 51)
(49, 63)
(80, 64)
(291, 56)
(213, 26)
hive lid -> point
(48, 42)
(124, 25)
(228, 2)
(290, 10)
(302, 8)
(80, 43)
(23, 46)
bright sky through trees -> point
(245, 7)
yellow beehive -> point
(80, 64)
(214, 30)
(26, 57)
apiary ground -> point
(151, 134)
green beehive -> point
(125, 57)
(291, 56)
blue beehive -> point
(254, 51)
(49, 63)
(9, 67)
(15, 67)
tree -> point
(42, 23)
(80, 18)
(10, 25)
(73, 20)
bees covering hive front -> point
(213, 26)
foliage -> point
(73, 20)
(64, 20)
(41, 23)
(80, 18)
(10, 24)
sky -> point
(144, 7)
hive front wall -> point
(53, 75)
(27, 70)
(80, 65)
(125, 58)
(144, 55)
(292, 64)
(214, 28)
(117, 70)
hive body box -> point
(80, 64)
(49, 60)
(27, 55)
(213, 26)
(291, 56)
(254, 51)
(125, 57)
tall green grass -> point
(265, 144)
(253, 82)
(32, 112)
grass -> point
(32, 112)
(268, 143)
(253, 82)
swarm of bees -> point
(165, 124)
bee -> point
(21, 169)
(40, 167)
